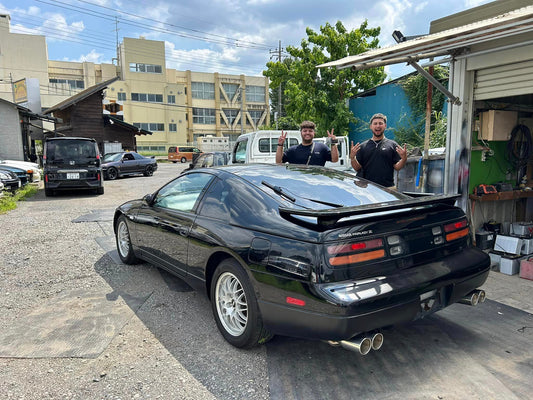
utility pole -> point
(279, 56)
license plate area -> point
(73, 175)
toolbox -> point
(485, 239)
(527, 246)
(522, 229)
(508, 244)
(510, 264)
(526, 269)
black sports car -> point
(125, 163)
(305, 251)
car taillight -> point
(456, 230)
(356, 252)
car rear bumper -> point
(385, 302)
(73, 184)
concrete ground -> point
(510, 290)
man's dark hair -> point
(308, 125)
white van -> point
(261, 146)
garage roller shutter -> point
(504, 80)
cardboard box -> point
(508, 244)
(510, 265)
(526, 269)
(498, 124)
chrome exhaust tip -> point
(363, 345)
(481, 296)
(471, 298)
(377, 340)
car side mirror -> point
(149, 199)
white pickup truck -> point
(261, 146)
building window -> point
(203, 115)
(73, 84)
(172, 127)
(147, 68)
(171, 99)
(203, 90)
(121, 96)
(255, 94)
(152, 126)
(256, 115)
(147, 97)
(230, 89)
(231, 115)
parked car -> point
(261, 147)
(9, 181)
(33, 169)
(211, 159)
(182, 153)
(304, 251)
(125, 163)
(72, 163)
(20, 173)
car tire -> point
(112, 174)
(123, 241)
(148, 171)
(235, 307)
(183, 160)
(48, 192)
(100, 190)
(174, 161)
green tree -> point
(410, 129)
(321, 95)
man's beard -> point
(307, 142)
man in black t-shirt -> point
(308, 152)
(377, 158)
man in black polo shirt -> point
(308, 152)
(376, 159)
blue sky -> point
(228, 36)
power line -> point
(215, 38)
(57, 34)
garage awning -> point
(450, 42)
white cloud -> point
(93, 57)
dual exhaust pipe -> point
(474, 297)
(361, 344)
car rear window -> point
(319, 188)
(76, 150)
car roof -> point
(71, 138)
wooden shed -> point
(82, 115)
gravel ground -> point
(75, 323)
(168, 349)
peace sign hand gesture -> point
(282, 138)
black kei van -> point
(72, 163)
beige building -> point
(177, 106)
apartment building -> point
(178, 107)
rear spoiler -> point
(332, 215)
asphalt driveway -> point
(76, 323)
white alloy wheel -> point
(231, 304)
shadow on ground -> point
(461, 352)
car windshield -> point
(112, 157)
(318, 188)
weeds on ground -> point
(9, 200)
